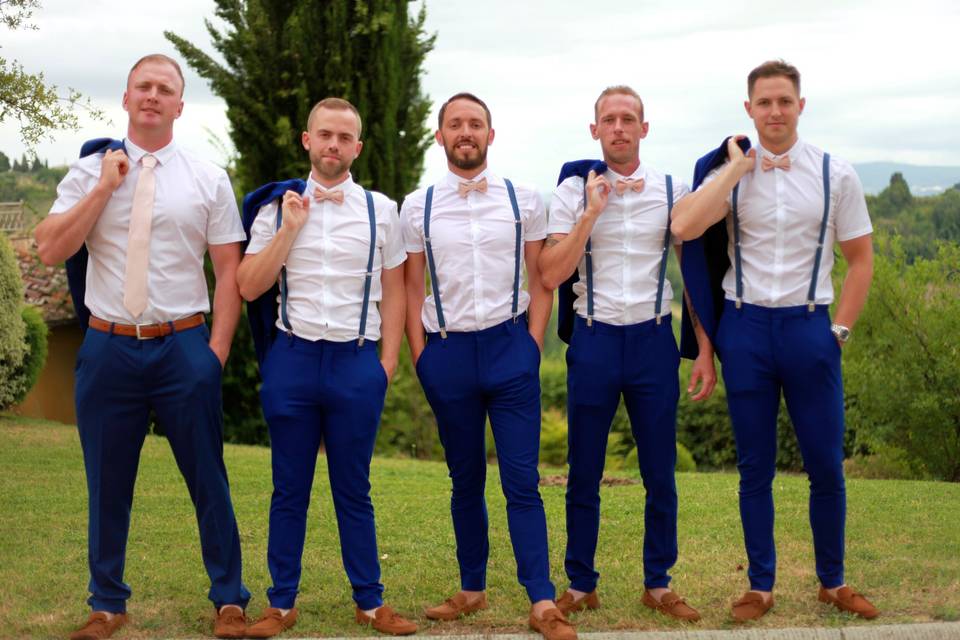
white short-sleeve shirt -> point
(626, 246)
(327, 264)
(194, 206)
(473, 242)
(780, 213)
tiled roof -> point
(44, 287)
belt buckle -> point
(140, 337)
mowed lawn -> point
(903, 546)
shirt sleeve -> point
(393, 250)
(80, 179)
(264, 227)
(851, 216)
(566, 205)
(411, 223)
(224, 224)
(536, 227)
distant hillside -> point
(923, 180)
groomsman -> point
(476, 342)
(147, 210)
(785, 206)
(337, 252)
(609, 223)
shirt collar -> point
(346, 185)
(793, 152)
(639, 173)
(163, 156)
(453, 180)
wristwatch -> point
(841, 332)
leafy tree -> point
(281, 57)
(4, 162)
(903, 367)
(26, 97)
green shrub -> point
(13, 345)
(553, 383)
(36, 356)
(685, 463)
(553, 438)
(886, 463)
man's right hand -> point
(598, 191)
(741, 163)
(114, 168)
(295, 210)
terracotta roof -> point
(44, 287)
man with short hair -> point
(484, 332)
(611, 227)
(148, 211)
(337, 251)
(785, 206)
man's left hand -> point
(390, 368)
(705, 373)
(221, 351)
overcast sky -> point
(881, 78)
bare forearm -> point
(415, 292)
(853, 296)
(226, 298)
(392, 319)
(562, 253)
(61, 235)
(698, 211)
(258, 272)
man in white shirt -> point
(785, 206)
(474, 231)
(622, 344)
(148, 213)
(338, 252)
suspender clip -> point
(739, 302)
(587, 252)
(811, 306)
(589, 321)
(515, 316)
(443, 333)
(360, 341)
(658, 318)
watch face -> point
(842, 333)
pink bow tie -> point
(629, 183)
(472, 185)
(319, 195)
(767, 163)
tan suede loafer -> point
(230, 622)
(672, 605)
(386, 621)
(553, 625)
(456, 607)
(750, 607)
(272, 622)
(99, 627)
(850, 601)
(568, 605)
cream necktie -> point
(138, 240)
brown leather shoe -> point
(553, 625)
(456, 607)
(98, 627)
(271, 622)
(672, 605)
(849, 600)
(568, 605)
(750, 607)
(230, 622)
(386, 621)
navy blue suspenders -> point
(737, 264)
(661, 278)
(371, 214)
(432, 265)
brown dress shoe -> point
(849, 600)
(271, 622)
(568, 605)
(750, 607)
(387, 621)
(553, 625)
(98, 626)
(672, 605)
(456, 607)
(230, 622)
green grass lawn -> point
(903, 546)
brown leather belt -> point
(146, 331)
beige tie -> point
(138, 240)
(629, 183)
(465, 188)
